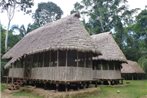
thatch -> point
(131, 67)
(65, 34)
(108, 47)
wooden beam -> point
(114, 67)
(38, 60)
(85, 60)
(43, 59)
(108, 65)
(101, 65)
(66, 64)
(49, 58)
(57, 58)
(90, 60)
(32, 63)
(77, 59)
(12, 74)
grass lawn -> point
(136, 89)
(27, 94)
(2, 87)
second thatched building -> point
(107, 67)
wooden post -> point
(85, 61)
(77, 66)
(66, 87)
(12, 74)
(43, 59)
(108, 66)
(57, 58)
(66, 59)
(101, 65)
(32, 63)
(114, 67)
(90, 60)
(38, 60)
(77, 59)
(49, 58)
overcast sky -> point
(65, 5)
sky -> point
(65, 5)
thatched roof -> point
(108, 47)
(131, 67)
(65, 34)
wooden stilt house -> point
(60, 51)
(107, 67)
(132, 71)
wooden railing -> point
(62, 73)
(66, 73)
(106, 74)
(16, 72)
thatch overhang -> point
(65, 34)
(105, 43)
(131, 67)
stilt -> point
(57, 86)
(66, 87)
(96, 84)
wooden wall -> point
(16, 72)
(106, 74)
(62, 73)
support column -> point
(66, 64)
(114, 67)
(84, 60)
(101, 65)
(108, 66)
(66, 58)
(90, 60)
(38, 60)
(77, 59)
(77, 65)
(12, 74)
(57, 58)
(49, 58)
(43, 59)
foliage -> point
(23, 4)
(13, 40)
(10, 7)
(106, 15)
(2, 87)
(143, 62)
(47, 12)
(136, 39)
(22, 30)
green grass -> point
(26, 94)
(136, 89)
(2, 87)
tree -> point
(14, 39)
(136, 39)
(106, 15)
(10, 6)
(22, 30)
(47, 12)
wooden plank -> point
(62, 73)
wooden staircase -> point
(16, 85)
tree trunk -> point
(6, 37)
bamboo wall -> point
(16, 72)
(62, 73)
(106, 74)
